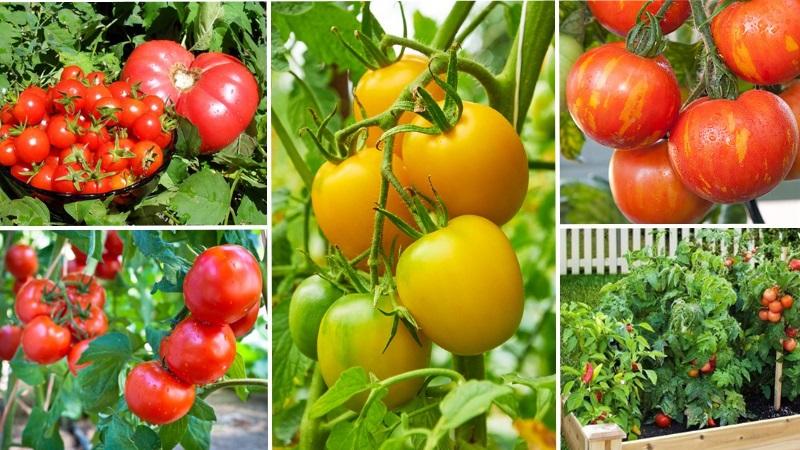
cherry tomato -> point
(30, 108)
(132, 109)
(84, 290)
(474, 251)
(120, 89)
(94, 136)
(68, 178)
(620, 16)
(9, 341)
(113, 245)
(21, 261)
(71, 73)
(199, 352)
(32, 145)
(647, 190)
(482, 147)
(164, 139)
(95, 78)
(35, 298)
(90, 187)
(732, 151)
(154, 104)
(68, 96)
(38, 91)
(310, 301)
(622, 100)
(107, 269)
(147, 127)
(43, 179)
(116, 156)
(759, 40)
(77, 153)
(147, 159)
(61, 132)
(75, 355)
(791, 95)
(354, 333)
(662, 420)
(44, 341)
(8, 153)
(207, 288)
(378, 89)
(21, 171)
(244, 326)
(155, 396)
(108, 110)
(93, 94)
(120, 180)
(343, 197)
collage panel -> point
(133, 339)
(670, 335)
(133, 113)
(694, 121)
(413, 188)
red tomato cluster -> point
(222, 291)
(110, 263)
(773, 303)
(84, 135)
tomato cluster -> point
(84, 134)
(110, 263)
(774, 302)
(222, 292)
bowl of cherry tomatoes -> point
(84, 139)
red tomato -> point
(791, 95)
(21, 171)
(164, 139)
(209, 292)
(216, 92)
(114, 245)
(75, 356)
(68, 178)
(43, 179)
(759, 40)
(107, 269)
(84, 290)
(662, 420)
(6, 115)
(244, 326)
(132, 109)
(93, 94)
(38, 91)
(155, 396)
(647, 190)
(732, 151)
(8, 153)
(95, 78)
(78, 153)
(93, 324)
(120, 89)
(44, 341)
(147, 127)
(9, 341)
(61, 132)
(35, 298)
(67, 96)
(619, 16)
(30, 108)
(198, 352)
(94, 136)
(21, 261)
(154, 104)
(71, 73)
(789, 345)
(622, 100)
(147, 158)
(115, 156)
(108, 110)
(32, 145)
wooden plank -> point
(572, 432)
(782, 433)
(673, 241)
(600, 261)
(562, 247)
(624, 238)
(586, 258)
(613, 257)
(648, 237)
(575, 251)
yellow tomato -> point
(477, 167)
(463, 285)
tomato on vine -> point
(35, 298)
(310, 300)
(10, 336)
(44, 341)
(156, 396)
(245, 325)
(22, 261)
(199, 352)
(620, 16)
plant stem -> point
(8, 411)
(541, 165)
(235, 383)
(312, 436)
(288, 145)
(473, 24)
(754, 212)
(373, 260)
(447, 32)
(473, 368)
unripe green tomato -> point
(308, 305)
(543, 112)
(568, 52)
(548, 72)
(354, 333)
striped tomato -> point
(619, 16)
(791, 95)
(620, 99)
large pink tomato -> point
(791, 95)
(732, 151)
(215, 91)
(620, 99)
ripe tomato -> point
(95, 78)
(457, 316)
(77, 153)
(108, 110)
(774, 317)
(199, 352)
(620, 99)
(30, 108)
(68, 178)
(343, 197)
(732, 151)
(32, 145)
(244, 326)
(68, 96)
(21, 261)
(620, 16)
(94, 136)
(354, 333)
(21, 171)
(71, 73)
(791, 95)
(164, 139)
(113, 246)
(44, 341)
(93, 94)
(763, 314)
(154, 104)
(91, 324)
(120, 180)
(377, 90)
(75, 355)
(647, 190)
(147, 127)
(116, 156)
(9, 341)
(759, 40)
(107, 269)
(787, 301)
(35, 298)
(209, 292)
(482, 147)
(310, 301)
(61, 132)
(155, 396)
(214, 91)
(789, 345)
(147, 158)
(132, 109)
(8, 153)
(120, 89)
(43, 179)
(84, 290)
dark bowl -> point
(122, 199)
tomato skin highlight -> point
(32, 145)
(378, 89)
(156, 396)
(354, 333)
(622, 100)
(484, 307)
(22, 261)
(223, 284)
(45, 342)
(10, 336)
(310, 300)
(647, 190)
(482, 147)
(619, 16)
(343, 197)
(759, 40)
(732, 151)
(199, 352)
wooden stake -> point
(778, 376)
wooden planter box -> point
(782, 433)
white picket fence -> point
(603, 250)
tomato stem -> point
(472, 368)
(717, 79)
(312, 435)
(209, 389)
(294, 155)
(446, 33)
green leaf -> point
(467, 401)
(202, 199)
(351, 382)
(109, 355)
(94, 212)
